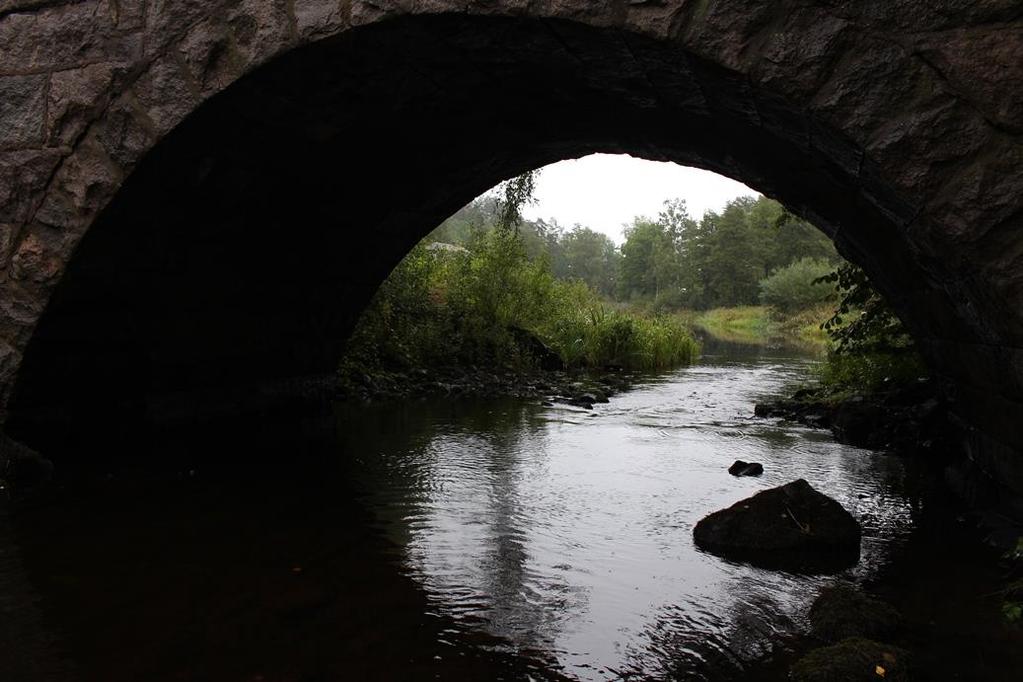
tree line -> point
(675, 261)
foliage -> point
(872, 350)
(798, 286)
(518, 192)
(647, 266)
(672, 262)
(450, 306)
(719, 261)
(1012, 610)
(402, 311)
(1012, 595)
(588, 256)
(742, 324)
(760, 325)
(587, 333)
(863, 321)
(805, 326)
(870, 371)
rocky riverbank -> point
(913, 420)
(580, 389)
(910, 419)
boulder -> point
(546, 357)
(842, 611)
(791, 527)
(851, 660)
(741, 468)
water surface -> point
(569, 531)
(446, 539)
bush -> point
(587, 334)
(445, 306)
(870, 372)
(793, 287)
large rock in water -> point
(791, 527)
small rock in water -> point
(790, 527)
(741, 468)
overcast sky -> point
(605, 191)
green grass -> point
(471, 307)
(761, 325)
(805, 325)
(845, 374)
(745, 324)
(592, 335)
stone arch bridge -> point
(198, 196)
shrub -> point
(445, 306)
(871, 371)
(588, 334)
(793, 287)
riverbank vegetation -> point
(751, 325)
(489, 288)
(489, 303)
(871, 351)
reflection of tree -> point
(446, 478)
(503, 563)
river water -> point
(454, 540)
(569, 531)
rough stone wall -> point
(922, 101)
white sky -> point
(606, 191)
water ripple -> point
(570, 532)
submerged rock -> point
(741, 468)
(851, 660)
(792, 527)
(842, 611)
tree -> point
(517, 193)
(733, 263)
(588, 256)
(687, 239)
(646, 265)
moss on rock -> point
(843, 611)
(853, 660)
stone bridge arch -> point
(196, 198)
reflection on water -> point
(569, 531)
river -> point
(450, 539)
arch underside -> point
(241, 250)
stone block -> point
(22, 110)
(314, 17)
(65, 37)
(76, 98)
(23, 178)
